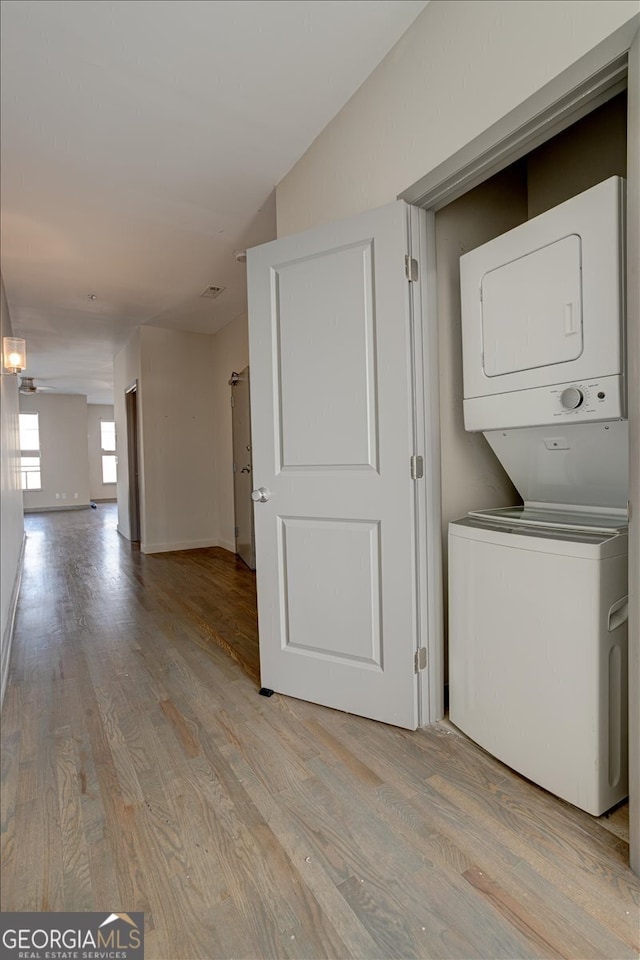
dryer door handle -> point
(618, 613)
(570, 319)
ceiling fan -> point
(28, 386)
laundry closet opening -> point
(583, 155)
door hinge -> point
(235, 468)
(232, 402)
(410, 268)
(417, 468)
(420, 659)
(236, 532)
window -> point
(30, 451)
(108, 445)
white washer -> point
(538, 646)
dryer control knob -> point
(572, 398)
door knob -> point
(261, 495)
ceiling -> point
(141, 144)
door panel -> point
(327, 393)
(332, 401)
(343, 621)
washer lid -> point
(562, 541)
(581, 464)
(556, 520)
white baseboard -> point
(70, 506)
(177, 545)
(187, 545)
(7, 639)
(227, 545)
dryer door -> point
(527, 323)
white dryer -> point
(543, 317)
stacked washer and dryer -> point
(538, 593)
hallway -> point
(141, 771)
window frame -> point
(108, 453)
(29, 453)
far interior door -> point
(242, 469)
(333, 401)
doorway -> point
(586, 153)
(242, 467)
(131, 408)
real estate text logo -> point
(72, 936)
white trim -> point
(71, 506)
(177, 545)
(427, 445)
(7, 639)
(227, 545)
(590, 81)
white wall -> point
(96, 413)
(186, 458)
(460, 67)
(70, 448)
(64, 464)
(177, 414)
(11, 516)
(126, 370)
(589, 152)
(231, 346)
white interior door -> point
(333, 424)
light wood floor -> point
(141, 771)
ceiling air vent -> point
(212, 292)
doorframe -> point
(428, 502)
(593, 79)
(133, 459)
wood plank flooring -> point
(141, 771)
